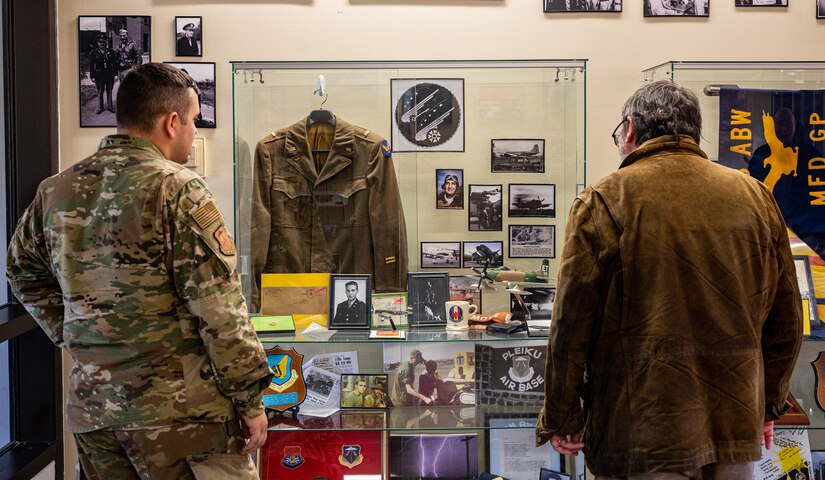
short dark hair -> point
(351, 282)
(663, 108)
(151, 90)
(431, 366)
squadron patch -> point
(206, 214)
(385, 149)
(224, 241)
(292, 457)
(351, 456)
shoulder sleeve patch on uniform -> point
(385, 148)
(224, 240)
(206, 214)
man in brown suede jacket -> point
(677, 320)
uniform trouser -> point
(194, 451)
(714, 471)
(105, 87)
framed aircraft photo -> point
(590, 6)
(532, 200)
(427, 114)
(476, 254)
(440, 254)
(517, 155)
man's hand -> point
(564, 446)
(254, 431)
(767, 435)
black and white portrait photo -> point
(349, 302)
(188, 37)
(485, 208)
(428, 292)
(203, 73)
(820, 9)
(517, 155)
(440, 254)
(476, 254)
(684, 8)
(554, 6)
(449, 185)
(532, 241)
(108, 48)
(532, 200)
(428, 115)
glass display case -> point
(397, 176)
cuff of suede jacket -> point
(572, 422)
(773, 413)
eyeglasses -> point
(613, 135)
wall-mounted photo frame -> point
(536, 200)
(589, 6)
(428, 292)
(188, 37)
(820, 9)
(108, 46)
(517, 155)
(761, 3)
(485, 208)
(364, 390)
(427, 114)
(349, 297)
(677, 8)
(386, 306)
(440, 254)
(203, 73)
(465, 288)
(475, 254)
(532, 241)
(449, 187)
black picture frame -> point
(183, 46)
(428, 292)
(203, 73)
(582, 6)
(375, 391)
(441, 200)
(820, 9)
(102, 71)
(517, 155)
(485, 211)
(440, 254)
(761, 3)
(471, 258)
(531, 200)
(338, 299)
(441, 101)
(532, 241)
(676, 8)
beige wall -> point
(618, 47)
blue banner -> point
(778, 137)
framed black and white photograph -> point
(427, 294)
(449, 186)
(820, 9)
(108, 47)
(761, 3)
(532, 200)
(476, 254)
(188, 37)
(600, 6)
(350, 301)
(485, 208)
(466, 289)
(427, 114)
(532, 241)
(539, 303)
(678, 8)
(203, 73)
(440, 254)
(525, 155)
(364, 390)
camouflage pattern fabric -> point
(195, 451)
(124, 260)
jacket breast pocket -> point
(343, 202)
(291, 202)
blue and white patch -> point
(385, 149)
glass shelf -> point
(413, 336)
(459, 417)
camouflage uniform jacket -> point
(124, 261)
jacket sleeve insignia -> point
(206, 214)
(389, 260)
(385, 149)
(224, 240)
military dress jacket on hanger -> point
(335, 210)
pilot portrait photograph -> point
(349, 300)
(450, 188)
(189, 34)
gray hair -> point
(663, 108)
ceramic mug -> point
(458, 312)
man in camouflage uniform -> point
(124, 260)
(128, 53)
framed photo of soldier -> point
(485, 208)
(363, 390)
(532, 200)
(440, 254)
(600, 6)
(350, 301)
(109, 46)
(476, 254)
(427, 114)
(427, 294)
(679, 8)
(203, 73)
(525, 156)
(532, 241)
(449, 187)
(188, 37)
